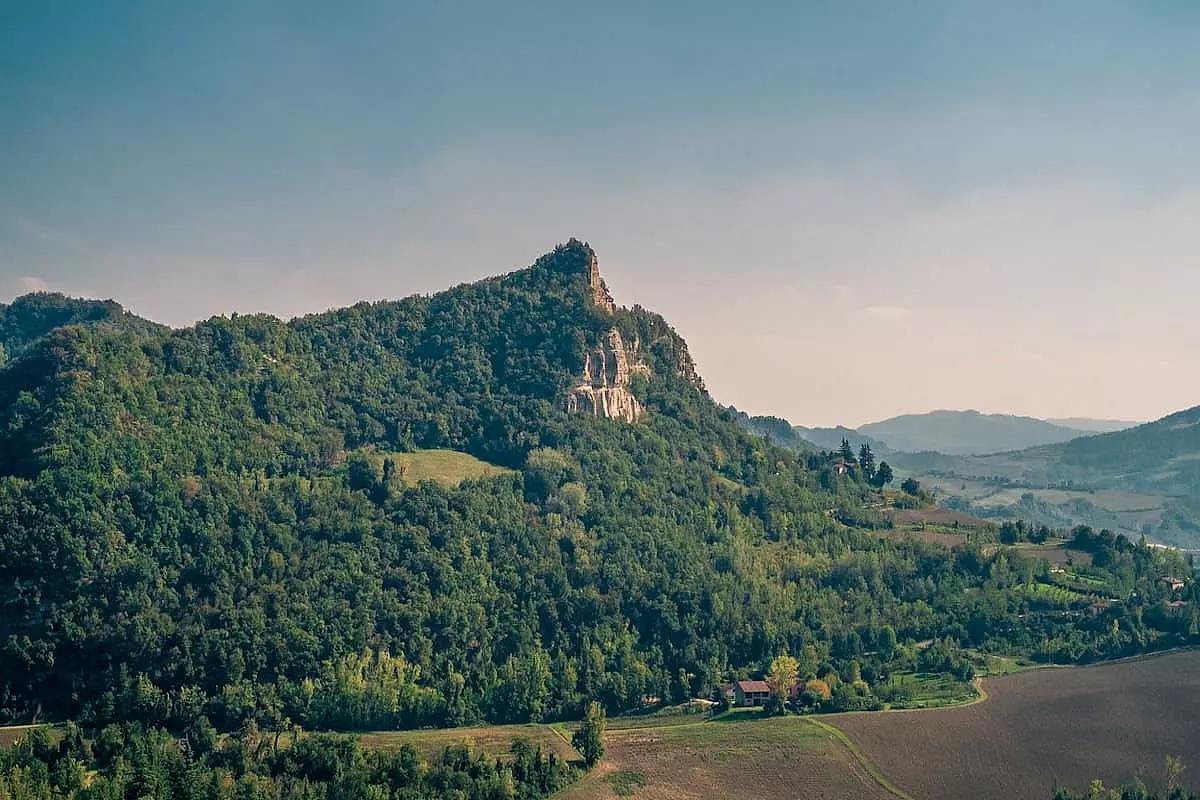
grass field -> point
(744, 759)
(495, 741)
(447, 467)
(930, 691)
(1042, 728)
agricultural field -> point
(942, 537)
(495, 741)
(1040, 729)
(935, 516)
(741, 759)
(1055, 554)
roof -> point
(753, 686)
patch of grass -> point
(494, 741)
(1053, 594)
(684, 714)
(625, 781)
(447, 467)
(990, 665)
(922, 690)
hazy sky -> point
(849, 209)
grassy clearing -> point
(447, 467)
(1053, 594)
(625, 782)
(989, 665)
(685, 714)
(495, 741)
(921, 690)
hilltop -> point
(32, 316)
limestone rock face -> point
(600, 296)
(604, 389)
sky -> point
(849, 209)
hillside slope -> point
(967, 432)
(1158, 460)
(220, 523)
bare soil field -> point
(1041, 729)
(1054, 555)
(745, 760)
(929, 537)
(935, 516)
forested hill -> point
(212, 507)
(967, 432)
(1159, 457)
(30, 317)
(220, 522)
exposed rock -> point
(600, 296)
(604, 389)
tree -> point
(846, 452)
(883, 475)
(782, 679)
(910, 486)
(866, 460)
(589, 739)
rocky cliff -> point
(604, 388)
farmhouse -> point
(1175, 583)
(750, 693)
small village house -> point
(750, 693)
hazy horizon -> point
(851, 211)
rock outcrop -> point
(600, 296)
(604, 390)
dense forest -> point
(209, 526)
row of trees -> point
(131, 761)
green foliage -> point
(589, 739)
(200, 528)
(133, 761)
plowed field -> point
(1041, 729)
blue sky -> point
(849, 209)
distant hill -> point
(783, 433)
(32, 316)
(1144, 478)
(1093, 425)
(831, 438)
(775, 430)
(967, 432)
